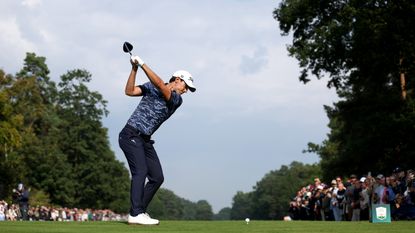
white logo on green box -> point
(381, 213)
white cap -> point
(186, 77)
(363, 179)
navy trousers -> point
(144, 163)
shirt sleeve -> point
(145, 88)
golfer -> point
(159, 101)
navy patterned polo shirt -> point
(153, 109)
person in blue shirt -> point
(159, 101)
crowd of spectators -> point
(43, 213)
(351, 199)
(19, 209)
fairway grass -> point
(209, 227)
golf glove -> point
(136, 60)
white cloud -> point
(252, 65)
(12, 44)
(31, 3)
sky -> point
(250, 114)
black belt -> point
(144, 136)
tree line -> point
(270, 196)
(53, 140)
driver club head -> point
(127, 47)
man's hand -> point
(136, 60)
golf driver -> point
(127, 48)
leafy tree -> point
(39, 198)
(366, 48)
(10, 136)
(42, 165)
(171, 204)
(54, 141)
(271, 195)
(35, 66)
(203, 210)
(189, 211)
(10, 123)
(241, 206)
(223, 214)
(156, 207)
(102, 181)
(355, 42)
(167, 205)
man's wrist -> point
(136, 60)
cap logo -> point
(190, 78)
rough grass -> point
(209, 227)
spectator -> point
(36, 213)
(350, 186)
(379, 190)
(62, 214)
(12, 213)
(333, 185)
(399, 184)
(364, 199)
(389, 195)
(294, 211)
(355, 200)
(3, 209)
(398, 210)
(338, 202)
(394, 184)
(54, 214)
(317, 182)
(21, 197)
(405, 204)
(44, 214)
(327, 214)
(84, 215)
(305, 209)
(338, 180)
(69, 216)
(31, 214)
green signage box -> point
(381, 213)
